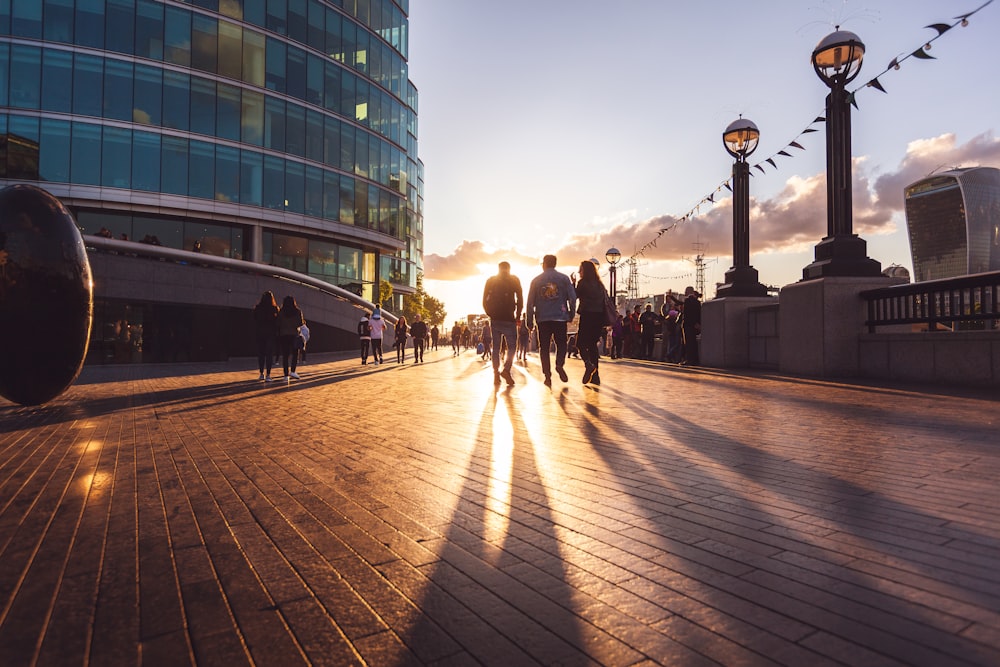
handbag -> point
(610, 313)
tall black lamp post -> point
(613, 255)
(740, 140)
(837, 61)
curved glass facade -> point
(282, 131)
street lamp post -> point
(613, 255)
(740, 140)
(837, 61)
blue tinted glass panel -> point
(174, 165)
(22, 148)
(145, 161)
(334, 47)
(314, 192)
(177, 36)
(274, 182)
(149, 29)
(251, 178)
(347, 200)
(117, 90)
(211, 5)
(90, 23)
(253, 11)
(295, 83)
(295, 183)
(119, 25)
(57, 81)
(4, 73)
(331, 195)
(25, 76)
(295, 130)
(317, 25)
(85, 159)
(227, 174)
(176, 100)
(297, 24)
(202, 106)
(229, 110)
(59, 21)
(148, 95)
(360, 203)
(26, 18)
(54, 152)
(275, 62)
(314, 135)
(331, 141)
(116, 158)
(331, 87)
(346, 147)
(348, 89)
(277, 16)
(274, 124)
(204, 42)
(88, 85)
(314, 80)
(253, 58)
(230, 50)
(201, 174)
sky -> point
(573, 126)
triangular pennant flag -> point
(852, 98)
(809, 129)
(771, 160)
(941, 28)
(819, 119)
(795, 144)
(923, 55)
(711, 197)
(728, 188)
(785, 153)
(874, 83)
(760, 167)
(894, 64)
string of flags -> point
(921, 53)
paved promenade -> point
(410, 515)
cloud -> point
(791, 221)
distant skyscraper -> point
(280, 132)
(954, 223)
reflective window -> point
(120, 23)
(174, 165)
(145, 161)
(253, 58)
(90, 23)
(360, 203)
(229, 111)
(274, 182)
(295, 82)
(346, 147)
(331, 195)
(177, 36)
(59, 20)
(314, 136)
(313, 192)
(116, 157)
(149, 29)
(274, 124)
(277, 16)
(54, 152)
(202, 106)
(295, 187)
(230, 50)
(4, 74)
(253, 12)
(25, 76)
(148, 95)
(201, 174)
(314, 80)
(208, 238)
(297, 23)
(204, 42)
(251, 177)
(88, 84)
(26, 18)
(331, 141)
(176, 100)
(317, 25)
(118, 90)
(323, 260)
(227, 174)
(57, 80)
(161, 231)
(22, 148)
(295, 130)
(252, 118)
(85, 167)
(274, 75)
(347, 200)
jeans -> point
(546, 331)
(502, 330)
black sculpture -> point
(46, 296)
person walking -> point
(691, 326)
(456, 339)
(592, 295)
(365, 336)
(503, 301)
(551, 306)
(671, 332)
(523, 335)
(649, 323)
(289, 320)
(377, 325)
(303, 341)
(400, 340)
(486, 339)
(418, 331)
(435, 334)
(265, 318)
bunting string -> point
(920, 53)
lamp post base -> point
(741, 281)
(845, 255)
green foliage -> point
(385, 292)
(430, 309)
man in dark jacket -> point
(691, 327)
(503, 301)
(649, 324)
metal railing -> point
(968, 302)
(194, 258)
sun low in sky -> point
(569, 127)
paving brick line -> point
(675, 524)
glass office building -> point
(953, 220)
(278, 131)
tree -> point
(385, 293)
(420, 302)
(435, 310)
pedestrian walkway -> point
(415, 514)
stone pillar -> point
(725, 333)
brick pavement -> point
(399, 515)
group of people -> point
(553, 301)
(279, 329)
(371, 331)
(679, 322)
